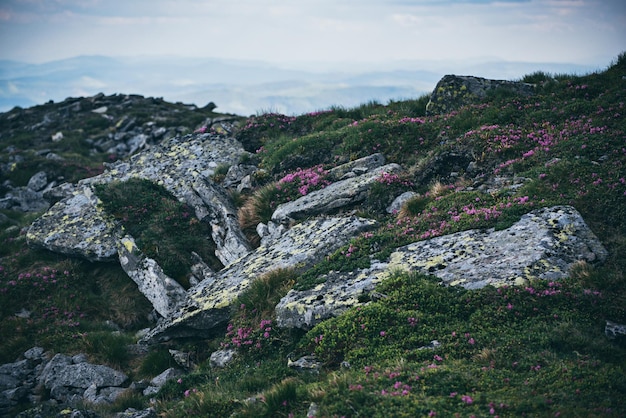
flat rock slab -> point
(76, 226)
(543, 244)
(208, 303)
(334, 196)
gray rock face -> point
(543, 244)
(399, 201)
(336, 195)
(357, 167)
(38, 181)
(341, 291)
(452, 91)
(613, 330)
(208, 303)
(76, 226)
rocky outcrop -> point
(453, 91)
(208, 304)
(77, 226)
(47, 137)
(543, 244)
(70, 379)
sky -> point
(317, 33)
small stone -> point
(222, 358)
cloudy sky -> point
(317, 32)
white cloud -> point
(320, 30)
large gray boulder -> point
(454, 91)
(543, 244)
(208, 304)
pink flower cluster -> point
(305, 180)
(391, 178)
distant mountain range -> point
(240, 87)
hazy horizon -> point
(242, 86)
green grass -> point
(164, 228)
(535, 351)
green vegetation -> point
(164, 228)
(533, 351)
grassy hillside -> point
(533, 351)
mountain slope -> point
(538, 349)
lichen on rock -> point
(452, 92)
(542, 245)
(208, 304)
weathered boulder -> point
(453, 91)
(400, 201)
(208, 304)
(543, 244)
(76, 225)
(342, 193)
(38, 181)
(68, 379)
(163, 292)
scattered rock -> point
(305, 363)
(433, 344)
(38, 181)
(221, 358)
(612, 330)
(157, 383)
(133, 413)
(399, 201)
